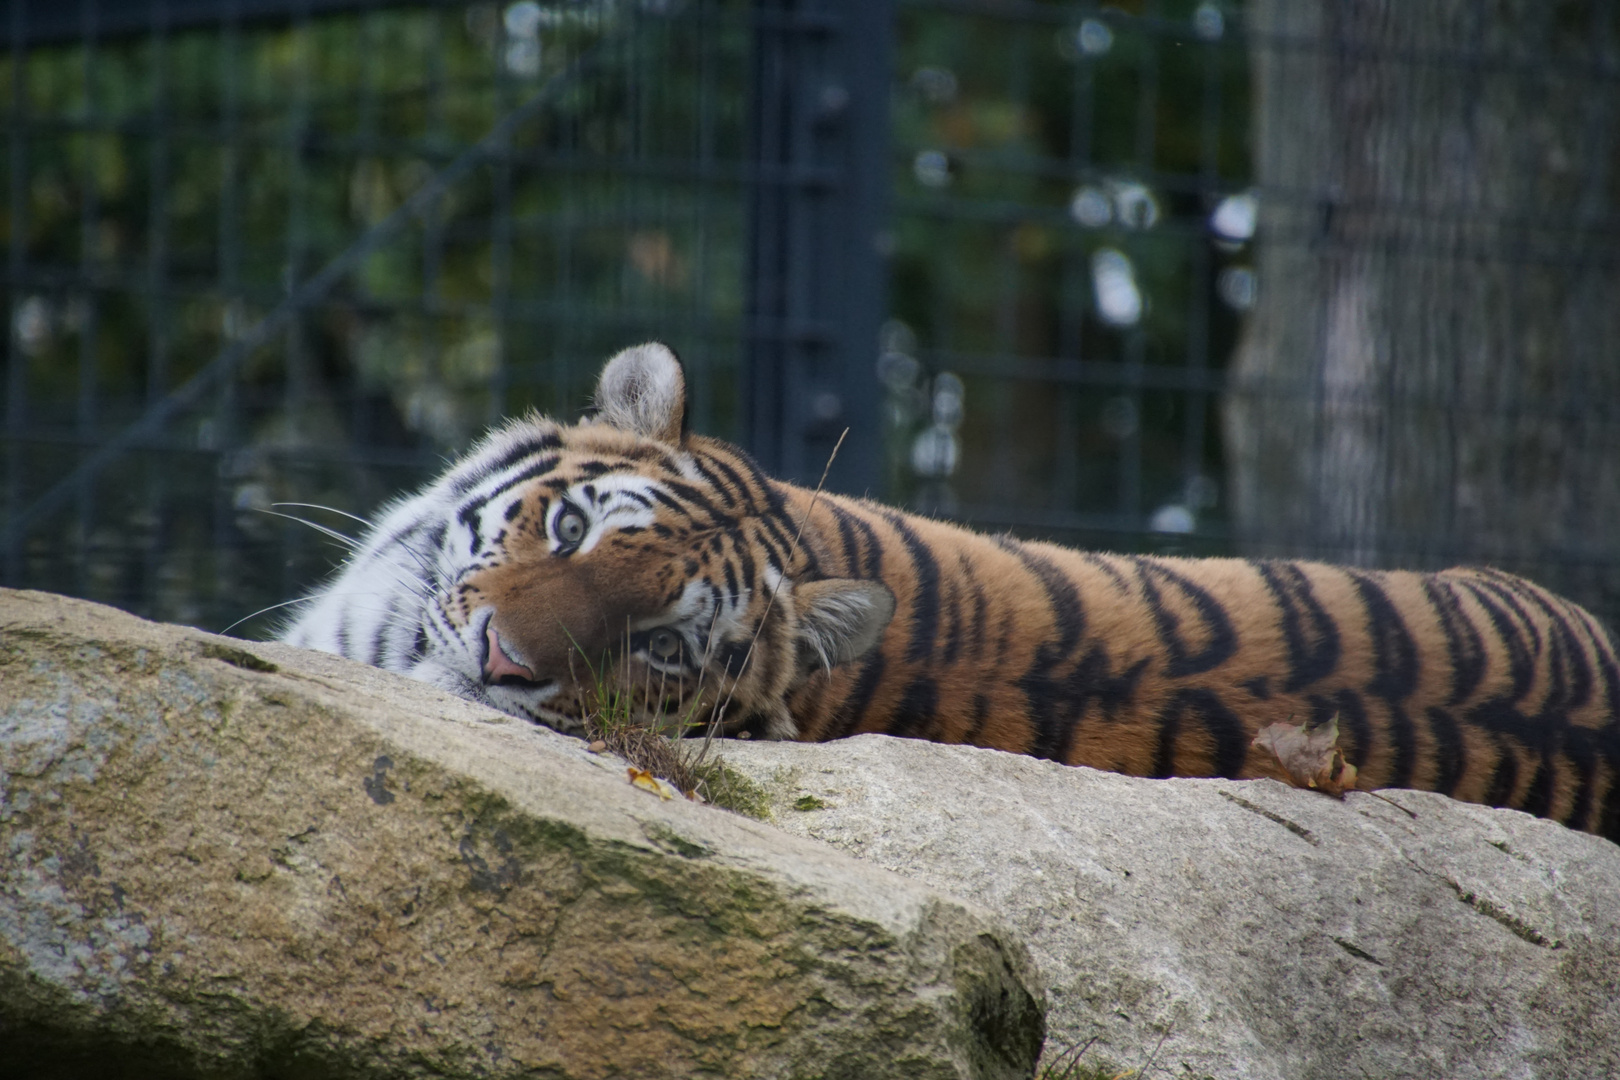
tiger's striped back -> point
(1474, 683)
(625, 549)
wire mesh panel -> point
(1324, 278)
(304, 257)
(1330, 278)
(1070, 265)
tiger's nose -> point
(498, 666)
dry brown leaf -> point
(1310, 756)
(646, 781)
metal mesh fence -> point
(1063, 309)
(448, 214)
(1322, 278)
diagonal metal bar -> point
(312, 291)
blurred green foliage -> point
(1007, 119)
(167, 190)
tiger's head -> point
(622, 556)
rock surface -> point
(1247, 929)
(234, 860)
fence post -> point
(816, 269)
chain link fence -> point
(1157, 275)
(283, 256)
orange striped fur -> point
(710, 588)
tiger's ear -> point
(840, 620)
(643, 390)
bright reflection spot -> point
(1235, 217)
(33, 325)
(1091, 208)
(1113, 278)
(1208, 22)
(523, 19)
(935, 451)
(932, 168)
(523, 57)
(1094, 37)
(1135, 204)
(1236, 286)
(1172, 518)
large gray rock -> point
(1247, 929)
(230, 860)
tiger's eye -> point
(571, 527)
(664, 644)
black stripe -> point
(694, 498)
(1311, 633)
(1352, 714)
(981, 607)
(953, 623)
(925, 603)
(1521, 665)
(548, 441)
(1225, 729)
(745, 561)
(846, 534)
(470, 518)
(727, 498)
(1463, 645)
(872, 568)
(1573, 678)
(1609, 821)
(380, 637)
(1106, 568)
(777, 541)
(1404, 734)
(981, 715)
(855, 707)
(1058, 705)
(1583, 758)
(538, 469)
(741, 486)
(1450, 752)
(915, 717)
(761, 483)
(1506, 776)
(1511, 597)
(674, 504)
(1068, 615)
(1539, 795)
(1221, 641)
(1395, 659)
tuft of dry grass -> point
(634, 724)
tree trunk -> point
(1431, 374)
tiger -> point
(626, 546)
